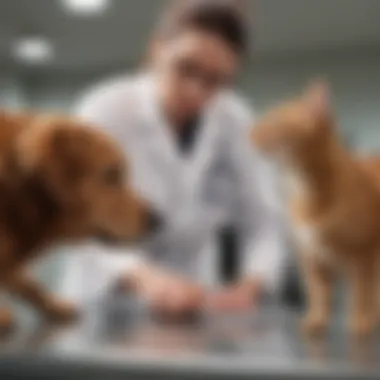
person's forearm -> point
(251, 284)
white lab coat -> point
(223, 179)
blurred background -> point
(52, 50)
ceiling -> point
(119, 36)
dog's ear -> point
(52, 151)
(317, 99)
(68, 146)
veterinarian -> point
(184, 132)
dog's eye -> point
(113, 176)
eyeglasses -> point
(209, 80)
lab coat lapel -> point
(165, 161)
(160, 141)
(185, 173)
(197, 163)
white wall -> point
(12, 93)
(56, 95)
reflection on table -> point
(125, 338)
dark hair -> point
(225, 18)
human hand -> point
(168, 295)
(241, 297)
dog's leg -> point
(318, 282)
(378, 288)
(363, 281)
(25, 287)
(6, 321)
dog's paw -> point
(61, 312)
(362, 326)
(314, 326)
(7, 322)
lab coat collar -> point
(189, 168)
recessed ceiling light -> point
(33, 50)
(85, 7)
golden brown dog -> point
(334, 200)
(59, 181)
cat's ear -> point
(317, 98)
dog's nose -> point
(155, 221)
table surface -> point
(121, 336)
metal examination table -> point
(122, 342)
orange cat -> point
(334, 205)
